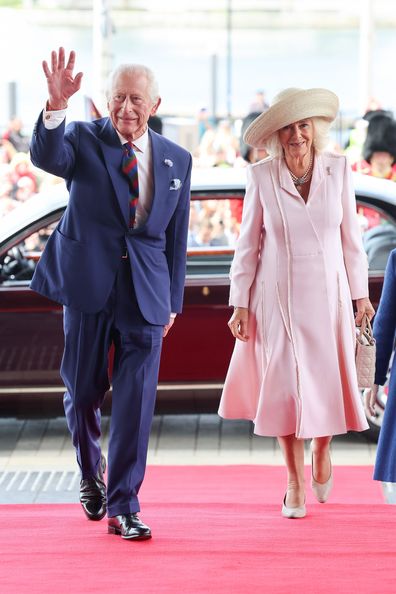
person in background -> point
(379, 148)
(384, 330)
(299, 262)
(259, 102)
(116, 261)
(155, 123)
(203, 122)
(250, 154)
(15, 136)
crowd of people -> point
(19, 179)
(371, 149)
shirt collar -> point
(139, 143)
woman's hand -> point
(60, 81)
(363, 306)
(370, 398)
(238, 323)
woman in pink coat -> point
(298, 265)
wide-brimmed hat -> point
(289, 106)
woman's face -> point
(296, 139)
(381, 161)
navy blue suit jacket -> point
(81, 258)
(385, 325)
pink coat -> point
(296, 267)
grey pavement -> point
(37, 462)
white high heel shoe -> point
(321, 490)
(293, 512)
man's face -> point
(130, 105)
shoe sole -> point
(117, 532)
(290, 515)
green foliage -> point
(11, 3)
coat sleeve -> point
(54, 150)
(385, 321)
(355, 257)
(244, 265)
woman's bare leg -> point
(321, 461)
(293, 453)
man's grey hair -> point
(320, 138)
(133, 69)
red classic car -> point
(197, 351)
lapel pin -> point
(168, 163)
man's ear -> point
(155, 107)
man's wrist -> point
(54, 107)
(172, 316)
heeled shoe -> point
(321, 490)
(293, 512)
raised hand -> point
(60, 81)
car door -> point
(30, 325)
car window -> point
(19, 262)
(214, 222)
(378, 233)
(215, 219)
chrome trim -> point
(160, 388)
(197, 280)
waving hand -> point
(60, 81)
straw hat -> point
(289, 106)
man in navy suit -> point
(120, 279)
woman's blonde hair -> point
(320, 140)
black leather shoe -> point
(93, 494)
(129, 526)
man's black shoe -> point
(93, 494)
(128, 526)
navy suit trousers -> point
(84, 370)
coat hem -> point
(251, 418)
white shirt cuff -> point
(53, 119)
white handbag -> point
(365, 354)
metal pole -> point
(365, 54)
(12, 99)
(214, 85)
(229, 59)
(101, 48)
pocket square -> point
(175, 184)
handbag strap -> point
(366, 330)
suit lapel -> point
(162, 173)
(285, 180)
(112, 153)
(317, 176)
(161, 169)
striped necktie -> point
(130, 169)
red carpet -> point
(216, 530)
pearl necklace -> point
(300, 181)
